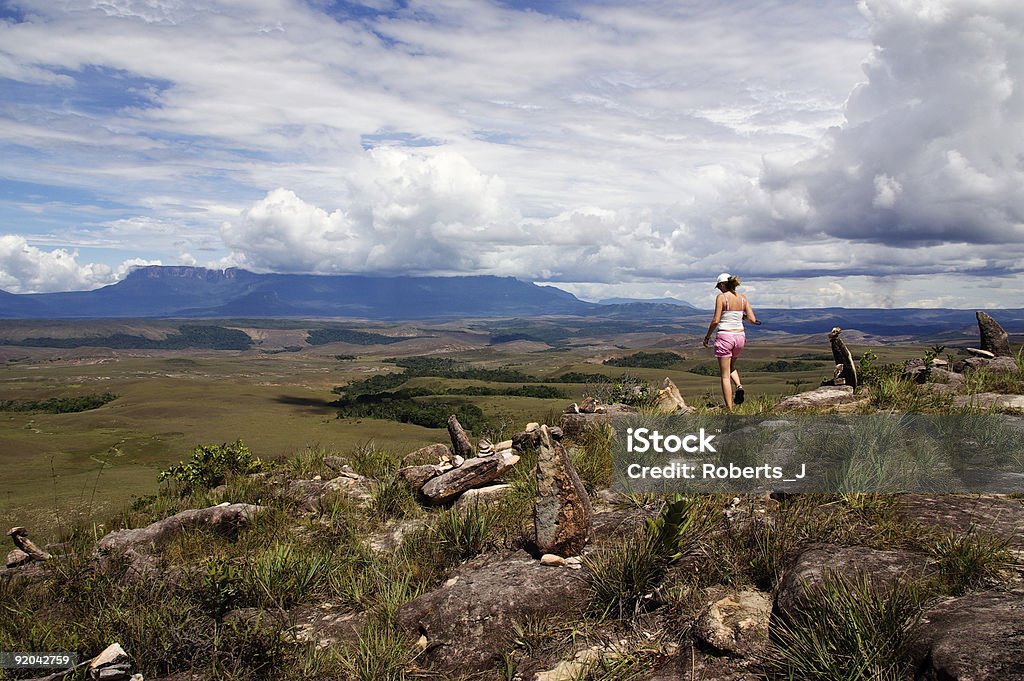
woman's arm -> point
(748, 311)
(719, 304)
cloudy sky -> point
(829, 152)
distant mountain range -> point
(653, 301)
(191, 292)
(194, 292)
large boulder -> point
(974, 637)
(993, 337)
(467, 622)
(562, 509)
(473, 473)
(825, 396)
(882, 568)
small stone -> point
(111, 655)
(17, 558)
(452, 582)
(552, 559)
(318, 477)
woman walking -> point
(731, 309)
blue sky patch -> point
(397, 139)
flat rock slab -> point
(991, 401)
(974, 637)
(825, 396)
(473, 473)
(996, 515)
(468, 621)
(883, 568)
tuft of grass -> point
(378, 464)
(285, 574)
(972, 560)
(849, 631)
(463, 534)
(394, 499)
(309, 461)
(624, 575)
(381, 654)
(592, 457)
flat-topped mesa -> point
(993, 337)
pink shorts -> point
(729, 343)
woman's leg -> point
(725, 367)
(733, 373)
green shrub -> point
(211, 464)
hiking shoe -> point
(738, 397)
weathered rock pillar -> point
(993, 336)
(562, 510)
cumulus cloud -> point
(932, 148)
(609, 144)
(404, 213)
(27, 269)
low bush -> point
(211, 464)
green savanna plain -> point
(64, 468)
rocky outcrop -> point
(426, 455)
(17, 558)
(997, 364)
(417, 476)
(111, 665)
(974, 637)
(137, 545)
(562, 509)
(1003, 517)
(482, 496)
(882, 568)
(467, 622)
(307, 493)
(993, 337)
(825, 396)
